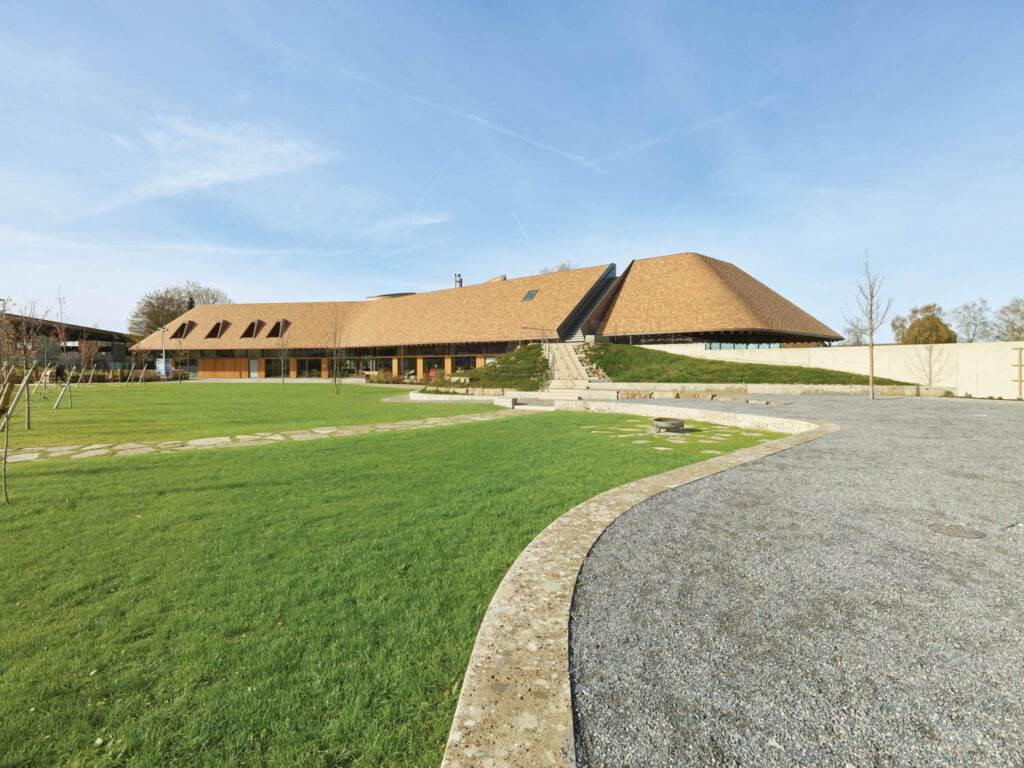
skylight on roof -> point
(253, 329)
(217, 330)
(278, 329)
(182, 330)
(529, 295)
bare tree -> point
(88, 348)
(973, 321)
(565, 266)
(160, 307)
(6, 335)
(1010, 321)
(26, 332)
(204, 294)
(336, 358)
(870, 313)
(60, 330)
(852, 337)
(282, 350)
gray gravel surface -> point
(800, 610)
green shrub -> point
(929, 330)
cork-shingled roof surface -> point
(491, 311)
(691, 293)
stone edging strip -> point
(239, 441)
(515, 708)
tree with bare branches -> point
(88, 349)
(565, 266)
(336, 358)
(60, 330)
(870, 313)
(6, 336)
(26, 332)
(973, 321)
(158, 308)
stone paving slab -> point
(240, 441)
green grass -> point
(297, 604)
(524, 368)
(109, 413)
(621, 362)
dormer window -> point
(217, 330)
(182, 330)
(252, 330)
(278, 329)
(529, 295)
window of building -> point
(217, 330)
(253, 329)
(308, 368)
(274, 366)
(529, 295)
(278, 329)
(182, 330)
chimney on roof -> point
(457, 279)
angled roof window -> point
(182, 330)
(217, 330)
(252, 330)
(529, 295)
(278, 329)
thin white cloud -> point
(188, 155)
(521, 229)
(736, 112)
(637, 147)
(401, 224)
(470, 117)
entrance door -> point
(254, 369)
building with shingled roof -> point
(684, 297)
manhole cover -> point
(961, 532)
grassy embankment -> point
(525, 369)
(621, 362)
(292, 604)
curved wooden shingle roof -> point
(691, 293)
(489, 312)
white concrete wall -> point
(981, 370)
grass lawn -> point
(296, 604)
(622, 362)
(110, 413)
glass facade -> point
(273, 366)
(433, 368)
(727, 345)
(308, 368)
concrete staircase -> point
(574, 333)
(567, 372)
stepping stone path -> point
(241, 441)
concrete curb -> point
(515, 708)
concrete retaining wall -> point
(764, 389)
(981, 370)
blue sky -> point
(316, 151)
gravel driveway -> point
(802, 610)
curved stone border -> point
(515, 708)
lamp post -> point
(163, 351)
